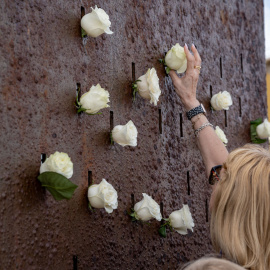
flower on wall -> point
(220, 133)
(103, 195)
(259, 130)
(180, 220)
(125, 135)
(54, 176)
(146, 209)
(93, 101)
(95, 23)
(221, 101)
(148, 86)
(175, 59)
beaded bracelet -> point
(197, 131)
(198, 118)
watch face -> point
(203, 108)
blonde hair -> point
(212, 264)
(240, 220)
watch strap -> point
(195, 111)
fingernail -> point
(186, 45)
(193, 45)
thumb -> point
(173, 76)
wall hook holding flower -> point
(54, 176)
(125, 135)
(95, 23)
(92, 101)
(220, 133)
(147, 86)
(221, 101)
(180, 220)
(102, 195)
(134, 87)
(145, 210)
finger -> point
(197, 57)
(173, 76)
(190, 59)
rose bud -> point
(263, 130)
(59, 163)
(95, 99)
(148, 86)
(147, 209)
(176, 59)
(221, 135)
(103, 195)
(221, 101)
(96, 23)
(125, 135)
(181, 220)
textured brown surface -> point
(42, 59)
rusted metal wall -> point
(42, 60)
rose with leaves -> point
(259, 130)
(55, 173)
(263, 130)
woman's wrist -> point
(190, 104)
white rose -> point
(96, 23)
(148, 86)
(176, 59)
(181, 220)
(147, 209)
(221, 135)
(103, 196)
(263, 130)
(221, 101)
(59, 163)
(95, 99)
(125, 135)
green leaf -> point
(93, 113)
(81, 110)
(135, 89)
(256, 122)
(162, 231)
(83, 33)
(167, 69)
(253, 132)
(90, 207)
(58, 185)
(161, 61)
(77, 102)
(111, 137)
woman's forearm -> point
(212, 149)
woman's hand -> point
(186, 86)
